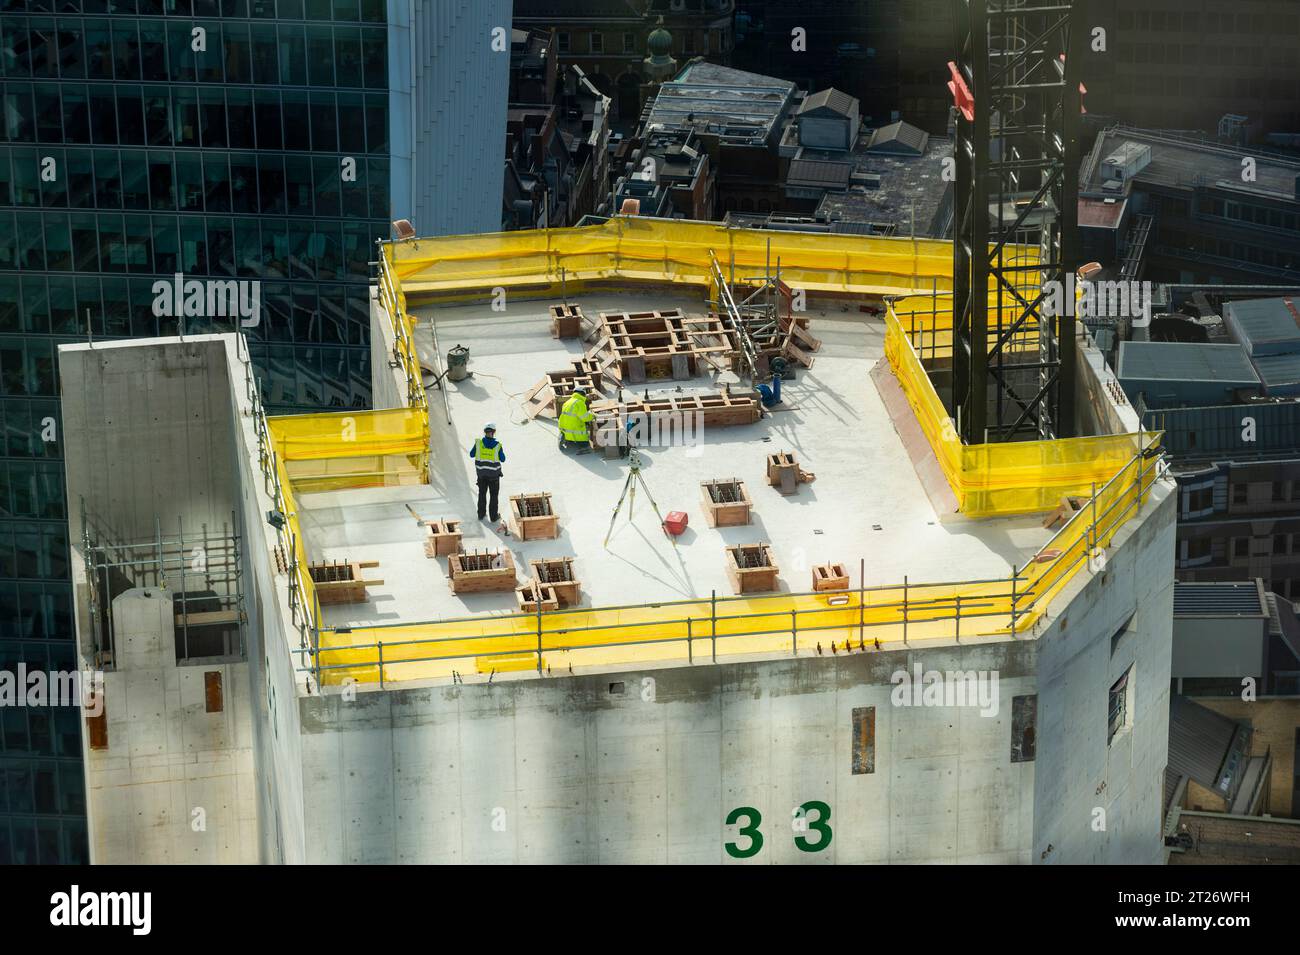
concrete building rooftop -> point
(866, 502)
(1185, 165)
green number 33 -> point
(750, 831)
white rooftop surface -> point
(833, 419)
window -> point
(1279, 491)
(1024, 719)
(1119, 712)
(562, 39)
(629, 43)
(1279, 544)
(1240, 492)
(1241, 547)
(598, 43)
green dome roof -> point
(660, 41)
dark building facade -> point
(221, 139)
(607, 39)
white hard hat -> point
(489, 426)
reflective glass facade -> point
(242, 139)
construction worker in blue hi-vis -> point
(575, 422)
(488, 456)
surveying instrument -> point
(629, 494)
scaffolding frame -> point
(165, 563)
(1017, 149)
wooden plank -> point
(207, 619)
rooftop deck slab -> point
(866, 504)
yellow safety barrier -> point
(1019, 477)
(353, 448)
(668, 250)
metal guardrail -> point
(404, 352)
(303, 605)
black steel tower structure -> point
(1018, 102)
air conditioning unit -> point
(1126, 162)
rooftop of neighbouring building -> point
(1214, 838)
(1219, 599)
(878, 181)
(735, 105)
(1185, 164)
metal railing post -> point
(381, 664)
(690, 655)
(1013, 600)
(862, 600)
(538, 594)
(959, 618)
(794, 632)
(905, 610)
(713, 621)
(1093, 528)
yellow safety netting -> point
(1021, 477)
(669, 250)
(353, 448)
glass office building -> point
(227, 139)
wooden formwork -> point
(533, 518)
(444, 538)
(635, 347)
(784, 473)
(533, 594)
(557, 573)
(726, 502)
(675, 413)
(341, 582)
(548, 396)
(830, 577)
(566, 321)
(751, 568)
(481, 571)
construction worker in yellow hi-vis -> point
(575, 422)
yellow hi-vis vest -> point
(486, 460)
(574, 418)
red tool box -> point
(675, 522)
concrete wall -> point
(1084, 781)
(176, 783)
(387, 384)
(1219, 646)
(147, 434)
(573, 772)
(167, 425)
(150, 431)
